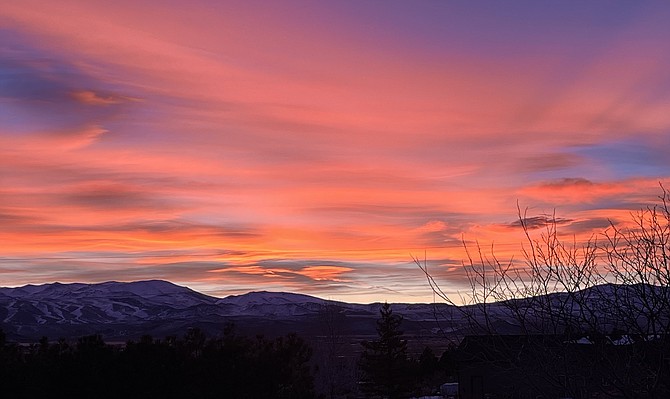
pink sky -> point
(315, 147)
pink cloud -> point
(274, 132)
(577, 191)
(92, 98)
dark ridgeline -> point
(193, 366)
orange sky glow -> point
(316, 147)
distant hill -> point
(122, 311)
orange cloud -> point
(92, 98)
(255, 270)
(331, 273)
(341, 146)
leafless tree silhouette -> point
(612, 291)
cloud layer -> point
(315, 147)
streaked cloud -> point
(536, 222)
(316, 147)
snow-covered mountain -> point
(71, 309)
(125, 310)
(121, 311)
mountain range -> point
(121, 311)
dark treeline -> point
(196, 366)
(192, 366)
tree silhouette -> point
(193, 366)
(612, 291)
(384, 362)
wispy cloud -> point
(315, 147)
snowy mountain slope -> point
(121, 310)
(78, 309)
(125, 310)
(105, 302)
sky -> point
(316, 147)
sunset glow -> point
(315, 147)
